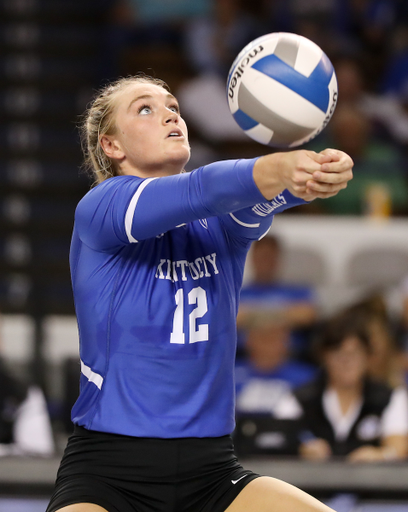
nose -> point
(171, 117)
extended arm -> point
(127, 209)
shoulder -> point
(114, 183)
(108, 189)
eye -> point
(144, 110)
(175, 108)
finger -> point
(332, 177)
(334, 154)
(324, 190)
(319, 158)
(342, 165)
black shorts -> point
(130, 474)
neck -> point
(347, 395)
(151, 172)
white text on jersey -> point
(205, 266)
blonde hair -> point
(99, 120)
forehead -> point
(134, 90)
(351, 343)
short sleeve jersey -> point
(157, 267)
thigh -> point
(266, 494)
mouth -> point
(175, 134)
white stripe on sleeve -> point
(92, 376)
(132, 207)
(244, 223)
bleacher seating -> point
(49, 66)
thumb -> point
(332, 153)
(319, 158)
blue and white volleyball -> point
(282, 90)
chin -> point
(182, 159)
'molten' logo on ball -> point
(241, 68)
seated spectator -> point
(386, 111)
(25, 427)
(266, 300)
(270, 320)
(345, 412)
(386, 357)
(266, 377)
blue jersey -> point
(157, 267)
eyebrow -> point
(148, 96)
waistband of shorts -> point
(96, 434)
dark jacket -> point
(365, 431)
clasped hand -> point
(311, 175)
(305, 174)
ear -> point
(111, 147)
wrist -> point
(268, 175)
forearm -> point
(392, 448)
(395, 447)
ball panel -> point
(287, 49)
(313, 88)
(284, 131)
(308, 57)
(261, 134)
(244, 121)
(281, 100)
(262, 46)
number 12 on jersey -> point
(197, 332)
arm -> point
(127, 209)
(392, 448)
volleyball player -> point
(157, 261)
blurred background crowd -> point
(338, 377)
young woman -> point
(157, 261)
(347, 412)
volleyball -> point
(282, 90)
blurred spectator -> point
(345, 412)
(266, 299)
(270, 320)
(386, 362)
(211, 44)
(25, 427)
(265, 378)
(379, 186)
(324, 22)
(386, 111)
(147, 36)
(157, 21)
(404, 327)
